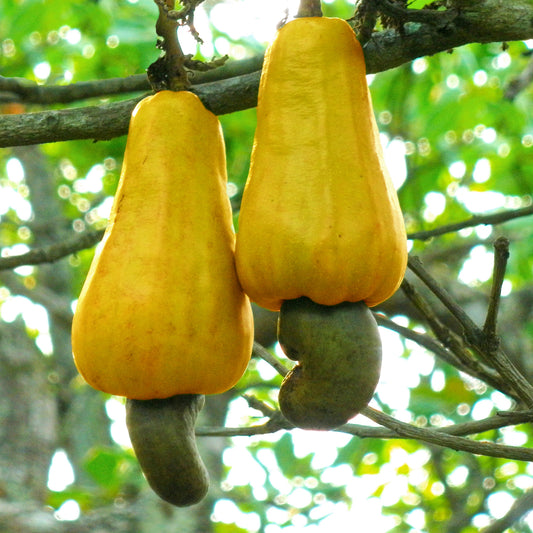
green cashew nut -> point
(338, 349)
(162, 435)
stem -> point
(365, 19)
(476, 220)
(520, 507)
(53, 252)
(501, 255)
(309, 8)
(263, 353)
(472, 332)
(489, 349)
(168, 71)
(440, 438)
(449, 349)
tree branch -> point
(501, 256)
(454, 356)
(521, 506)
(53, 252)
(449, 437)
(456, 345)
(439, 438)
(477, 220)
(491, 352)
(263, 353)
(278, 422)
(29, 92)
(482, 21)
(439, 19)
(107, 121)
(500, 420)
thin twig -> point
(477, 220)
(53, 252)
(455, 355)
(462, 429)
(519, 83)
(435, 18)
(424, 340)
(450, 437)
(520, 507)
(493, 355)
(455, 344)
(471, 329)
(271, 426)
(501, 256)
(255, 403)
(500, 420)
(29, 92)
(390, 428)
(439, 438)
(263, 353)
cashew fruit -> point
(162, 436)
(319, 214)
(338, 350)
(161, 311)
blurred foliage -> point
(467, 150)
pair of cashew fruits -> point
(321, 233)
(162, 318)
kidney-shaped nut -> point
(338, 349)
(162, 435)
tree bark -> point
(468, 21)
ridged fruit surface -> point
(162, 311)
(319, 214)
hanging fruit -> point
(319, 216)
(161, 311)
(321, 234)
(161, 318)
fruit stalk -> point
(309, 8)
